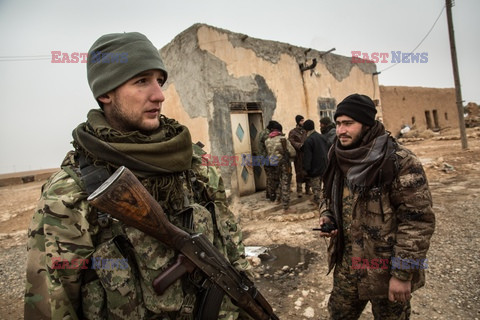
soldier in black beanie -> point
(358, 107)
(379, 206)
(315, 149)
(297, 137)
(262, 152)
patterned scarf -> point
(158, 159)
(371, 164)
(168, 149)
(366, 166)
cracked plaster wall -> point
(400, 104)
(210, 67)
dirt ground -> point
(293, 276)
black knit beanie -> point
(325, 121)
(299, 118)
(271, 124)
(308, 125)
(277, 126)
(359, 107)
(117, 57)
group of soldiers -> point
(378, 207)
(306, 148)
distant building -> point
(226, 86)
(424, 108)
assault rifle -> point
(124, 197)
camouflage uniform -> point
(65, 226)
(283, 174)
(316, 184)
(344, 302)
(297, 137)
(386, 222)
(269, 170)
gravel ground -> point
(12, 281)
(452, 289)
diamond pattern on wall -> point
(244, 175)
(240, 132)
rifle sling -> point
(92, 176)
(208, 305)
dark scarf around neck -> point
(166, 150)
(368, 165)
(371, 164)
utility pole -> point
(456, 77)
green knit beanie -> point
(117, 57)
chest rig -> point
(189, 191)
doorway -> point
(247, 123)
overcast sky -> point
(41, 102)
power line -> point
(36, 56)
(428, 33)
(25, 58)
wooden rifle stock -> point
(124, 197)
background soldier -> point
(378, 196)
(278, 147)
(269, 169)
(128, 130)
(297, 137)
(315, 151)
(327, 128)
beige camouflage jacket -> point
(64, 235)
(275, 148)
(394, 225)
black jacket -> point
(330, 135)
(315, 150)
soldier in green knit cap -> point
(69, 240)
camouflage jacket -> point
(394, 223)
(275, 148)
(263, 136)
(79, 270)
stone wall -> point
(211, 68)
(425, 108)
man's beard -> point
(121, 119)
(358, 142)
(125, 122)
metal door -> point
(256, 126)
(242, 149)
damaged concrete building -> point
(422, 108)
(226, 86)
